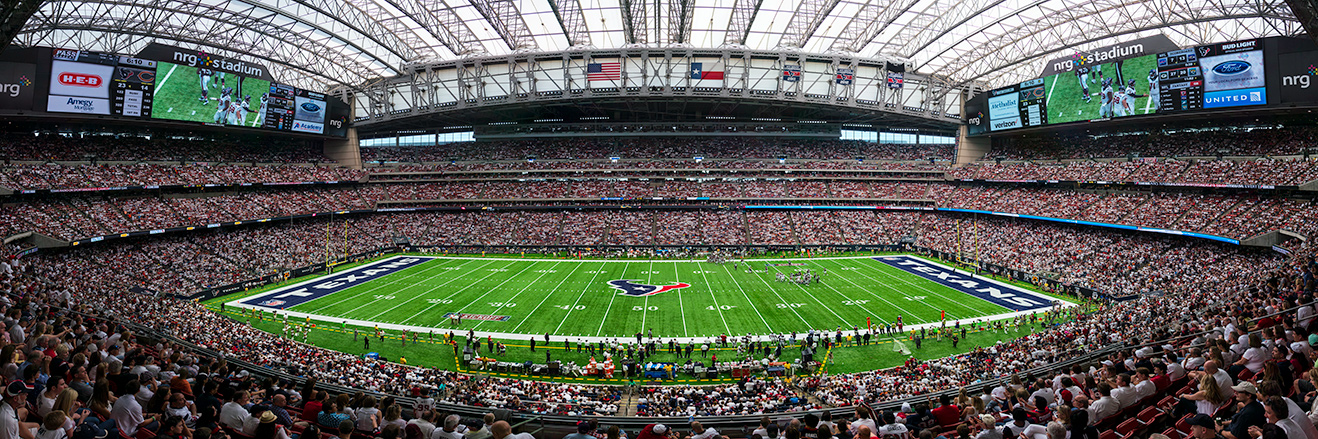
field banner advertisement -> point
(17, 85)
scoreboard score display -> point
(163, 83)
(1208, 77)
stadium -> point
(578, 219)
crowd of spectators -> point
(103, 175)
(1250, 172)
(1257, 141)
(1203, 287)
(160, 148)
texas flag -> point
(698, 71)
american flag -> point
(607, 71)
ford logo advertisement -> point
(1230, 68)
(312, 107)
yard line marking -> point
(161, 82)
(611, 299)
(719, 308)
(680, 308)
(807, 293)
(649, 279)
(317, 310)
(505, 302)
(899, 308)
(550, 293)
(428, 291)
(757, 310)
(583, 294)
(940, 295)
(477, 282)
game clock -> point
(134, 87)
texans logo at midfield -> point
(636, 289)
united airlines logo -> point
(636, 289)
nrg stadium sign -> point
(1148, 45)
(193, 58)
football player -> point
(223, 111)
(260, 114)
(204, 77)
(1128, 98)
(244, 107)
(1153, 82)
(1106, 95)
(1083, 74)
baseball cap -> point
(660, 429)
(583, 427)
(17, 387)
(1202, 420)
(1247, 387)
(1313, 339)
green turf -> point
(179, 87)
(847, 357)
(572, 298)
(1065, 103)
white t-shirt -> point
(364, 416)
(707, 434)
(1254, 359)
(127, 415)
(8, 421)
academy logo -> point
(636, 289)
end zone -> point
(302, 292)
(1007, 296)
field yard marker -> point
(807, 293)
(505, 302)
(478, 281)
(876, 296)
(427, 291)
(748, 300)
(583, 294)
(681, 308)
(719, 308)
(954, 302)
(550, 293)
(611, 299)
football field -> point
(513, 298)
